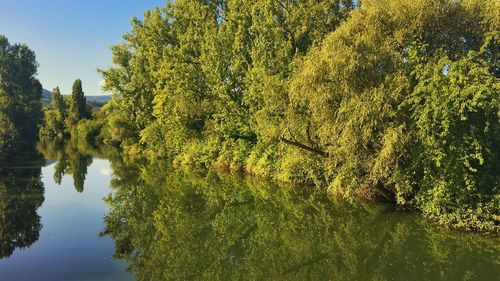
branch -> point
(305, 147)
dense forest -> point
(396, 100)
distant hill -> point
(95, 101)
(103, 99)
(46, 93)
(46, 97)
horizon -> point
(71, 40)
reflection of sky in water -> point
(69, 247)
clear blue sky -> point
(71, 38)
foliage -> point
(72, 116)
(187, 75)
(456, 119)
(389, 99)
(20, 99)
(77, 105)
(54, 118)
(407, 106)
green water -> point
(87, 218)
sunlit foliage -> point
(390, 99)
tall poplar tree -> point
(77, 106)
(58, 102)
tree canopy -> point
(20, 99)
(390, 99)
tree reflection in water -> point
(170, 224)
(72, 158)
(21, 194)
(174, 225)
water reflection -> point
(68, 247)
(175, 225)
(71, 159)
(169, 224)
(22, 190)
(21, 194)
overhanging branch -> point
(305, 147)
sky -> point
(71, 38)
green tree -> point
(347, 96)
(78, 104)
(386, 101)
(58, 103)
(131, 79)
(20, 98)
(54, 118)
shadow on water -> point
(21, 194)
(181, 225)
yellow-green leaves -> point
(397, 99)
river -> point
(93, 215)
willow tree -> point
(321, 92)
(188, 79)
(284, 31)
(402, 100)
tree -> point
(387, 97)
(58, 103)
(77, 106)
(330, 93)
(20, 98)
(131, 79)
(54, 118)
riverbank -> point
(225, 226)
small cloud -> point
(102, 83)
(105, 171)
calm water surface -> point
(83, 218)
(68, 245)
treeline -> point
(391, 99)
(20, 100)
(71, 116)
